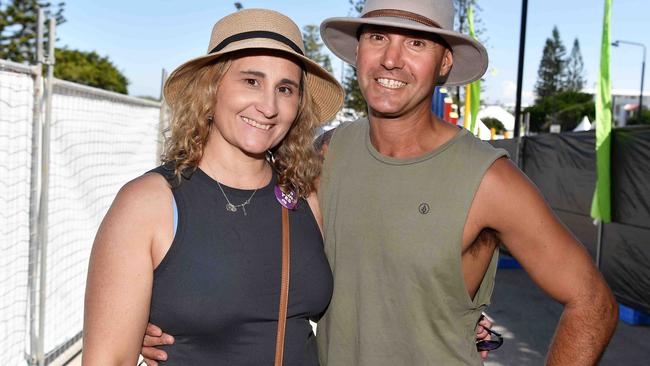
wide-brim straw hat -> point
(265, 30)
(430, 16)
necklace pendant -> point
(230, 207)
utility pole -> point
(616, 44)
(520, 71)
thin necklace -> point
(233, 208)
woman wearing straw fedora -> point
(207, 244)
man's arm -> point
(510, 204)
(154, 336)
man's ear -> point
(447, 63)
(356, 55)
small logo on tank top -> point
(424, 208)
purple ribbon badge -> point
(288, 200)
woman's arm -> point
(120, 274)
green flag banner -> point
(601, 204)
(475, 87)
(475, 102)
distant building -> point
(625, 104)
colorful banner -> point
(468, 97)
(475, 87)
(601, 204)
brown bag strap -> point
(284, 289)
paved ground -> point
(527, 318)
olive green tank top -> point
(393, 230)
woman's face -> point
(257, 101)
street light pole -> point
(642, 78)
(520, 70)
(616, 44)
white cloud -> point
(509, 93)
(527, 97)
(508, 90)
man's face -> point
(398, 69)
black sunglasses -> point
(491, 344)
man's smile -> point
(390, 83)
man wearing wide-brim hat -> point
(407, 198)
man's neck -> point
(409, 136)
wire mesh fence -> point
(16, 105)
(98, 141)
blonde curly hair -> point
(294, 158)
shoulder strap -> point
(284, 289)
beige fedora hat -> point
(431, 16)
(269, 30)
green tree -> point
(356, 6)
(565, 108)
(18, 28)
(89, 68)
(559, 82)
(18, 32)
(460, 20)
(551, 71)
(314, 46)
(353, 97)
(575, 69)
(635, 120)
(490, 122)
(461, 24)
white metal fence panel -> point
(99, 141)
(16, 105)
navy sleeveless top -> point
(217, 289)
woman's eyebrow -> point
(262, 75)
(253, 73)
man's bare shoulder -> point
(505, 191)
(503, 174)
(321, 143)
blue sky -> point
(143, 37)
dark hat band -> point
(409, 16)
(401, 14)
(257, 34)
